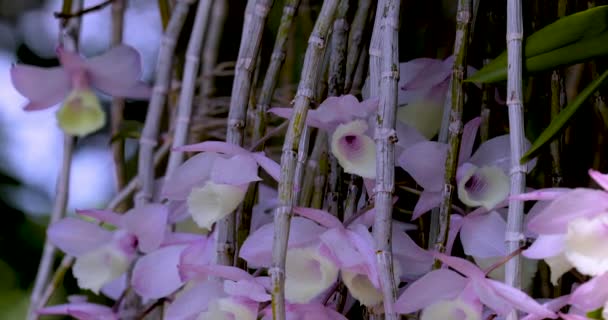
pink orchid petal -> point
(599, 178)
(269, 165)
(225, 272)
(546, 246)
(249, 289)
(173, 238)
(407, 136)
(553, 305)
(363, 241)
(427, 201)
(456, 222)
(574, 204)
(155, 275)
(194, 300)
(321, 217)
(71, 61)
(338, 110)
(414, 261)
(44, 87)
(543, 194)
(192, 173)
(469, 134)
(213, 146)
(496, 152)
(408, 71)
(256, 250)
(105, 216)
(178, 210)
(565, 316)
(148, 223)
(425, 162)
(115, 288)
(80, 311)
(483, 236)
(341, 248)
(200, 252)
(237, 170)
(463, 266)
(434, 286)
(76, 237)
(117, 73)
(592, 294)
(519, 300)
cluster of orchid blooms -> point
(569, 226)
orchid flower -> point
(592, 295)
(334, 111)
(80, 309)
(213, 183)
(309, 311)
(236, 297)
(460, 294)
(115, 72)
(571, 230)
(482, 178)
(102, 255)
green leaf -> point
(128, 129)
(595, 314)
(559, 123)
(569, 40)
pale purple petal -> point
(237, 170)
(200, 252)
(489, 297)
(81, 311)
(115, 288)
(497, 152)
(463, 266)
(342, 250)
(425, 162)
(363, 241)
(192, 173)
(322, 217)
(483, 236)
(553, 305)
(249, 289)
(117, 73)
(519, 300)
(592, 294)
(546, 246)
(155, 275)
(148, 223)
(414, 261)
(542, 194)
(173, 238)
(269, 165)
(71, 61)
(574, 204)
(76, 237)
(194, 300)
(256, 250)
(227, 272)
(427, 201)
(44, 87)
(434, 286)
(407, 136)
(599, 178)
(469, 133)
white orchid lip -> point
(213, 201)
(586, 244)
(355, 151)
(483, 186)
(307, 274)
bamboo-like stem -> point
(320, 181)
(120, 197)
(287, 199)
(339, 44)
(361, 73)
(118, 103)
(186, 96)
(253, 27)
(151, 129)
(355, 41)
(558, 101)
(313, 169)
(68, 38)
(455, 125)
(272, 73)
(487, 95)
(514, 234)
(385, 138)
(164, 8)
